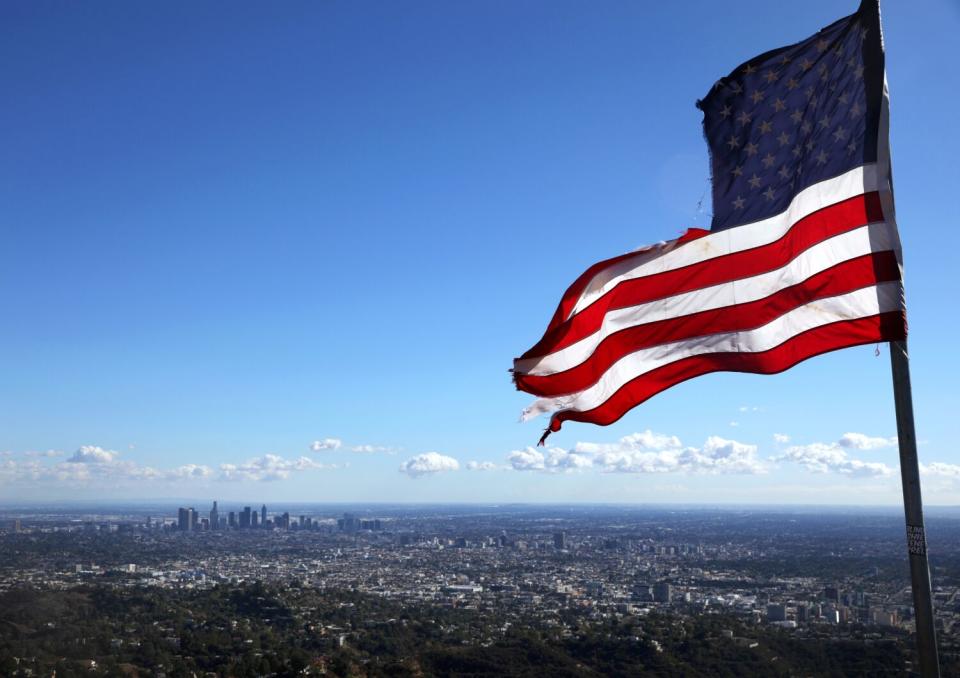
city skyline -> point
(189, 519)
(832, 585)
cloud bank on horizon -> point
(645, 452)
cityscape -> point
(751, 582)
(478, 340)
(188, 520)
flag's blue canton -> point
(794, 116)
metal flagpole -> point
(913, 512)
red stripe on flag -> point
(882, 327)
(807, 232)
(575, 291)
(844, 277)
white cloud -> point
(833, 457)
(482, 466)
(12, 470)
(266, 468)
(88, 464)
(748, 408)
(941, 469)
(734, 423)
(719, 455)
(92, 454)
(190, 472)
(647, 440)
(428, 463)
(645, 452)
(371, 449)
(781, 438)
(46, 453)
(528, 459)
(859, 441)
(552, 460)
(333, 444)
(92, 465)
(326, 444)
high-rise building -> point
(254, 519)
(560, 540)
(232, 519)
(16, 526)
(776, 612)
(263, 515)
(245, 517)
(285, 521)
(214, 517)
(186, 519)
(662, 592)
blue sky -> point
(229, 230)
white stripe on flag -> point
(856, 182)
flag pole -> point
(913, 512)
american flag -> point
(802, 256)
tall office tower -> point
(349, 523)
(214, 517)
(183, 519)
(560, 540)
(245, 517)
(662, 592)
(254, 519)
(192, 513)
(303, 522)
(16, 526)
(263, 515)
(232, 519)
(286, 520)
